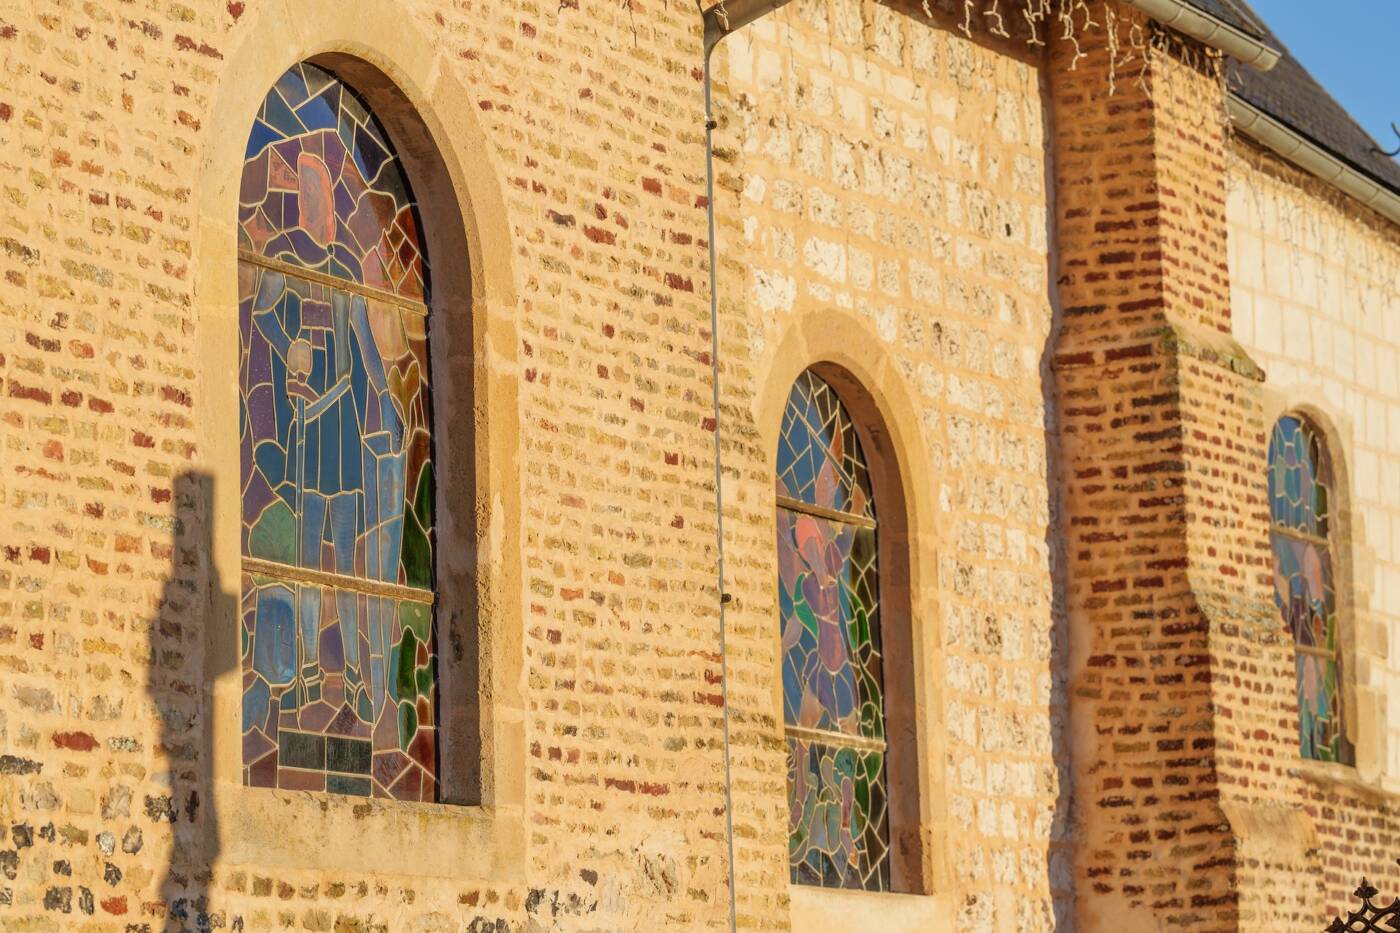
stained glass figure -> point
(338, 648)
(833, 685)
(323, 190)
(1300, 504)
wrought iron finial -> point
(1394, 152)
(1369, 918)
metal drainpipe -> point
(722, 19)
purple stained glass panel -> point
(820, 461)
(323, 189)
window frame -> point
(906, 763)
(414, 91)
(1338, 521)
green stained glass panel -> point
(838, 827)
(330, 671)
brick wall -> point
(1158, 417)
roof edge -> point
(1217, 33)
(1287, 143)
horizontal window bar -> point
(817, 511)
(1300, 535)
(330, 281)
(1315, 651)
(267, 568)
(834, 738)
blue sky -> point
(1352, 47)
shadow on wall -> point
(1060, 857)
(181, 687)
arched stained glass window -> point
(338, 652)
(833, 683)
(1302, 503)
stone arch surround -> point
(380, 51)
(845, 350)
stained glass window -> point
(338, 650)
(833, 685)
(1301, 506)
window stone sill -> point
(1330, 775)
(299, 831)
(814, 910)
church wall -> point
(882, 185)
(882, 205)
(573, 138)
(1314, 295)
(581, 131)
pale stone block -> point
(904, 90)
(1378, 528)
(820, 94)
(773, 291)
(1242, 315)
(768, 71)
(887, 323)
(913, 133)
(1008, 117)
(811, 150)
(1343, 349)
(883, 120)
(1376, 434)
(1365, 363)
(1388, 374)
(741, 56)
(823, 207)
(867, 74)
(755, 188)
(943, 107)
(843, 163)
(1387, 591)
(862, 266)
(1268, 325)
(898, 176)
(943, 144)
(923, 52)
(847, 21)
(852, 105)
(1297, 333)
(765, 30)
(783, 243)
(890, 278)
(778, 145)
(787, 197)
(887, 40)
